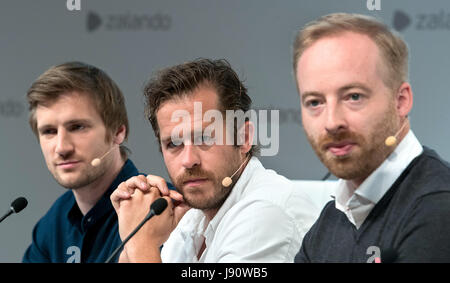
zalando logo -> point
(11, 108)
(422, 21)
(129, 22)
(401, 20)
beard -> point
(214, 195)
(358, 164)
(84, 177)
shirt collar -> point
(379, 182)
(103, 205)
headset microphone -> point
(391, 140)
(97, 161)
(227, 181)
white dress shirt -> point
(263, 219)
(357, 204)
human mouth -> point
(341, 148)
(68, 164)
(195, 182)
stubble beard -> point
(86, 177)
(219, 192)
(363, 160)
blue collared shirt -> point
(65, 235)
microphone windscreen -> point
(96, 162)
(158, 206)
(227, 181)
(19, 204)
(390, 141)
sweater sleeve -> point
(426, 236)
(315, 235)
(302, 255)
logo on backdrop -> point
(11, 108)
(423, 21)
(401, 20)
(129, 21)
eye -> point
(207, 139)
(48, 131)
(312, 103)
(170, 145)
(77, 127)
(204, 140)
(355, 96)
(173, 144)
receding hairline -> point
(381, 64)
(180, 96)
(392, 49)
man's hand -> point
(133, 205)
(126, 189)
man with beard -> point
(392, 202)
(78, 114)
(231, 208)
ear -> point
(247, 132)
(404, 99)
(119, 136)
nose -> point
(64, 146)
(190, 156)
(335, 119)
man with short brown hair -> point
(79, 117)
(228, 207)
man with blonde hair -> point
(392, 201)
(78, 115)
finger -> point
(125, 188)
(170, 205)
(176, 195)
(158, 182)
(179, 211)
(137, 182)
(155, 192)
(118, 195)
(115, 200)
